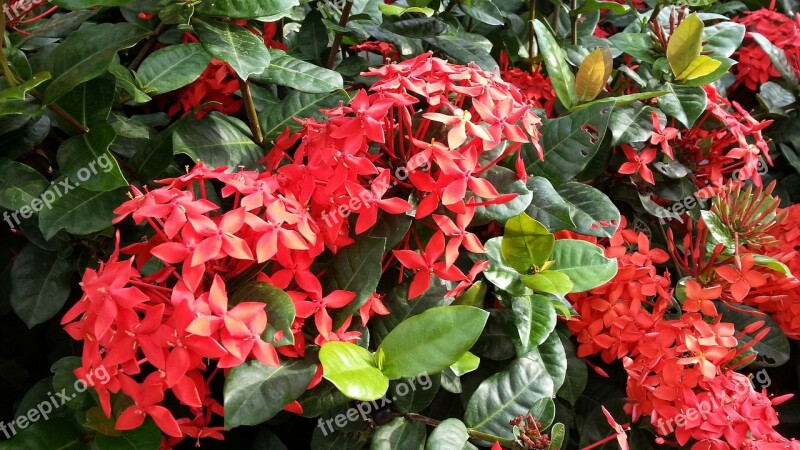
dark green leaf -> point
(267, 10)
(217, 140)
(56, 433)
(483, 11)
(777, 57)
(589, 207)
(773, 350)
(312, 39)
(356, 268)
(683, 103)
(243, 50)
(633, 123)
(723, 38)
(86, 54)
(296, 105)
(400, 433)
(145, 437)
(549, 208)
(86, 160)
(90, 102)
(569, 143)
(173, 67)
(450, 434)
(86, 4)
(19, 185)
(280, 310)
(508, 394)
(577, 374)
(289, 71)
(18, 92)
(463, 49)
(254, 392)
(39, 284)
(556, 63)
(79, 211)
(506, 182)
(638, 45)
(534, 320)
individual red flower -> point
(700, 299)
(426, 265)
(662, 136)
(146, 398)
(742, 276)
(637, 163)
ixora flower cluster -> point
(677, 363)
(169, 319)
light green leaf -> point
(556, 63)
(549, 282)
(584, 263)
(526, 243)
(353, 370)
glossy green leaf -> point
(556, 63)
(594, 5)
(506, 182)
(526, 243)
(86, 54)
(19, 185)
(590, 209)
(173, 67)
(499, 273)
(638, 45)
(353, 370)
(632, 123)
(254, 393)
(576, 375)
(87, 4)
(474, 296)
(544, 410)
(287, 70)
(685, 104)
(147, 436)
(773, 350)
(534, 320)
(400, 308)
(356, 268)
(569, 143)
(777, 56)
(61, 433)
(465, 364)
(462, 49)
(432, 341)
(549, 208)
(40, 284)
(450, 434)
(243, 50)
(484, 11)
(584, 263)
(267, 10)
(400, 433)
(90, 102)
(507, 394)
(86, 160)
(79, 211)
(723, 38)
(217, 140)
(18, 92)
(296, 105)
(557, 437)
(718, 230)
(549, 282)
(394, 10)
(279, 308)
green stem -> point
(575, 23)
(12, 81)
(252, 114)
(148, 45)
(337, 38)
(531, 33)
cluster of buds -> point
(528, 432)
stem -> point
(12, 81)
(61, 113)
(451, 4)
(250, 109)
(556, 20)
(575, 23)
(337, 38)
(148, 45)
(531, 34)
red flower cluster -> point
(535, 87)
(385, 49)
(161, 319)
(754, 66)
(679, 365)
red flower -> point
(637, 162)
(427, 265)
(742, 277)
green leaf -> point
(147, 436)
(56, 433)
(584, 263)
(430, 342)
(777, 56)
(394, 10)
(312, 39)
(632, 123)
(400, 433)
(555, 358)
(173, 67)
(243, 50)
(19, 184)
(323, 397)
(494, 342)
(569, 143)
(685, 44)
(127, 83)
(90, 102)
(499, 273)
(773, 350)
(534, 320)
(400, 308)
(254, 393)
(217, 140)
(79, 211)
(40, 284)
(506, 182)
(556, 63)
(356, 268)
(507, 394)
(353, 370)
(296, 105)
(280, 310)
(549, 209)
(266, 10)
(723, 38)
(86, 160)
(685, 104)
(577, 374)
(718, 230)
(416, 27)
(86, 4)
(450, 434)
(549, 282)
(18, 92)
(64, 377)
(411, 396)
(594, 5)
(463, 49)
(86, 54)
(466, 364)
(638, 45)
(289, 71)
(588, 208)
(772, 264)
(484, 11)
(700, 67)
(526, 243)
(474, 296)
(557, 436)
(544, 410)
